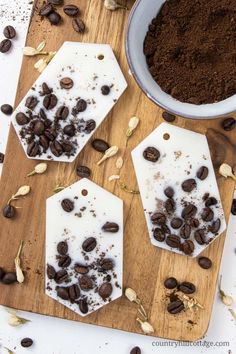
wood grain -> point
(145, 266)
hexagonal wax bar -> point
(84, 247)
(179, 191)
(68, 101)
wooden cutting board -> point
(145, 266)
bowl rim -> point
(145, 90)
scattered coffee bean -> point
(233, 207)
(83, 306)
(175, 307)
(173, 241)
(7, 109)
(45, 89)
(33, 149)
(202, 173)
(1, 157)
(185, 231)
(51, 272)
(31, 102)
(89, 244)
(106, 264)
(86, 283)
(187, 247)
(169, 205)
(204, 262)
(176, 223)
(81, 269)
(9, 211)
(62, 248)
(194, 223)
(151, 154)
(100, 145)
(159, 234)
(158, 218)
(67, 205)
(189, 185)
(5, 45)
(105, 290)
(9, 278)
(50, 101)
(43, 141)
(135, 350)
(110, 227)
(81, 105)
(169, 192)
(64, 261)
(78, 25)
(170, 283)
(229, 124)
(62, 113)
(2, 273)
(61, 276)
(9, 32)
(200, 237)
(168, 117)
(69, 130)
(74, 292)
(207, 214)
(66, 83)
(215, 226)
(21, 118)
(189, 211)
(71, 10)
(26, 342)
(56, 148)
(54, 18)
(105, 90)
(39, 127)
(211, 201)
(187, 287)
(89, 126)
(83, 171)
(62, 292)
(46, 9)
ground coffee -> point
(190, 49)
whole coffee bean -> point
(31, 102)
(187, 247)
(62, 292)
(215, 226)
(81, 105)
(9, 278)
(185, 231)
(69, 130)
(200, 237)
(43, 141)
(51, 272)
(211, 201)
(45, 89)
(50, 101)
(62, 248)
(26, 342)
(207, 214)
(66, 83)
(89, 126)
(169, 192)
(33, 149)
(56, 148)
(46, 9)
(83, 171)
(168, 117)
(64, 261)
(105, 290)
(151, 154)
(9, 211)
(159, 234)
(74, 292)
(21, 118)
(78, 25)
(176, 223)
(194, 223)
(83, 306)
(5, 45)
(189, 211)
(135, 350)
(67, 205)
(1, 157)
(62, 113)
(202, 173)
(158, 218)
(173, 241)
(229, 124)
(61, 276)
(71, 10)
(54, 18)
(89, 244)
(2, 273)
(7, 109)
(9, 32)
(187, 287)
(106, 264)
(175, 307)
(110, 227)
(189, 185)
(170, 283)
(100, 145)
(105, 90)
(81, 269)
(86, 283)
(169, 205)
(67, 147)
(204, 262)
(39, 127)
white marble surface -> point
(54, 336)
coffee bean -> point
(9, 278)
(151, 154)
(62, 248)
(89, 244)
(2, 273)
(67, 205)
(100, 145)
(158, 218)
(202, 173)
(46, 9)
(106, 264)
(165, 229)
(69, 130)
(51, 134)
(86, 283)
(9, 211)
(176, 223)
(105, 90)
(215, 226)
(135, 350)
(187, 247)
(81, 105)
(207, 214)
(194, 223)
(90, 126)
(39, 127)
(50, 101)
(204, 262)
(187, 287)
(51, 272)
(159, 234)
(169, 205)
(189, 185)
(170, 283)
(189, 211)
(62, 292)
(62, 113)
(61, 276)
(56, 148)
(7, 109)
(83, 306)
(9, 32)
(105, 290)
(45, 89)
(233, 207)
(1, 157)
(185, 231)
(173, 241)
(5, 46)
(200, 237)
(54, 18)
(56, 2)
(229, 124)
(211, 201)
(168, 117)
(26, 342)
(74, 292)
(78, 25)
(64, 261)
(169, 192)
(31, 102)
(175, 307)
(21, 118)
(43, 141)
(81, 269)
(67, 147)
(110, 227)
(83, 171)
(33, 149)
(66, 83)
(71, 10)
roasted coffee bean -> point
(56, 148)
(74, 292)
(105, 290)
(176, 223)
(185, 231)
(229, 124)
(215, 226)
(64, 261)
(5, 45)
(189, 211)
(67, 205)
(86, 283)
(187, 287)
(202, 173)
(63, 292)
(39, 127)
(189, 185)
(175, 307)
(78, 25)
(110, 227)
(2, 273)
(151, 154)
(61, 276)
(81, 105)
(54, 18)
(62, 248)
(45, 89)
(200, 237)
(159, 234)
(51, 272)
(89, 126)
(69, 130)
(106, 264)
(71, 10)
(7, 109)
(9, 278)
(9, 211)
(43, 141)
(31, 102)
(169, 192)
(21, 118)
(165, 229)
(187, 247)
(50, 101)
(135, 350)
(62, 112)
(207, 214)
(204, 262)
(67, 146)
(66, 83)
(56, 2)
(105, 90)
(100, 145)
(46, 9)
(83, 171)
(194, 223)
(81, 269)
(233, 207)
(173, 241)
(169, 205)
(83, 306)
(9, 32)
(33, 149)
(211, 201)
(168, 117)
(89, 244)
(1, 157)
(26, 342)
(158, 218)
(170, 283)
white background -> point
(52, 335)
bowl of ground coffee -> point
(182, 54)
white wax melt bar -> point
(182, 153)
(90, 67)
(93, 208)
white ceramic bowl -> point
(140, 17)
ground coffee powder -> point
(190, 49)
